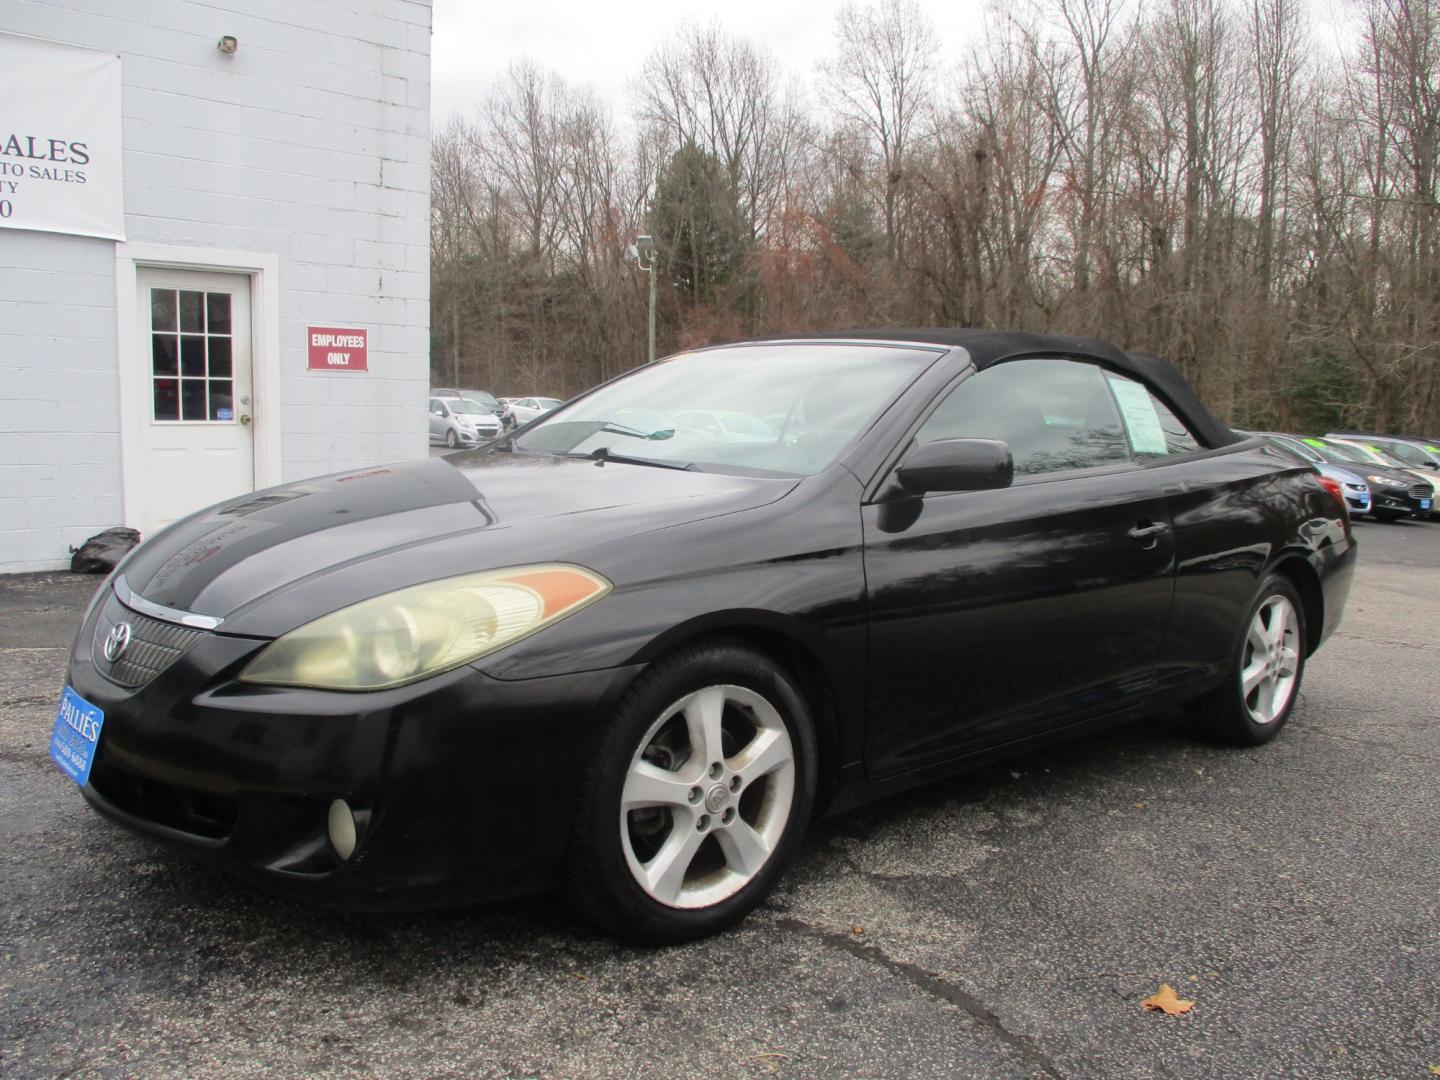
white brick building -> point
(267, 191)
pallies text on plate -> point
(87, 726)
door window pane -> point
(220, 357)
(167, 399)
(192, 354)
(1053, 414)
(192, 399)
(217, 307)
(192, 312)
(162, 309)
(222, 401)
(163, 351)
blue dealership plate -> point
(1424, 504)
(76, 735)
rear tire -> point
(699, 789)
(1263, 681)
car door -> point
(995, 615)
(439, 419)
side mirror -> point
(956, 465)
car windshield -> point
(787, 409)
(1339, 454)
(1411, 455)
(465, 405)
(1309, 453)
(1389, 460)
(548, 402)
(480, 396)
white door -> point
(197, 428)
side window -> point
(437, 408)
(1054, 415)
(1153, 429)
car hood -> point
(269, 561)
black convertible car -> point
(629, 657)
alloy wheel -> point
(707, 796)
(1271, 660)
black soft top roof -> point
(990, 347)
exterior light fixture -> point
(228, 44)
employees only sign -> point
(60, 139)
(334, 348)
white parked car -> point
(525, 409)
(458, 422)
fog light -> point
(342, 829)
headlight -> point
(424, 630)
(1382, 481)
(1355, 487)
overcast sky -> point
(600, 44)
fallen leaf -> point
(1166, 1001)
(1139, 806)
(1435, 1070)
(771, 1059)
(857, 929)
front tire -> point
(1263, 683)
(450, 439)
(700, 788)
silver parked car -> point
(525, 409)
(458, 422)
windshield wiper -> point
(621, 429)
(603, 454)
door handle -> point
(244, 418)
(1149, 532)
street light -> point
(643, 252)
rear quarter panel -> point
(1237, 514)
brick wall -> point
(310, 143)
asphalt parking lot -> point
(1007, 923)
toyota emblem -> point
(117, 641)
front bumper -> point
(1395, 500)
(463, 785)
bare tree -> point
(883, 77)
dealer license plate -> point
(76, 735)
(1424, 504)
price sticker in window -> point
(1142, 424)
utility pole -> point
(643, 252)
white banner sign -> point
(60, 139)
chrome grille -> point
(1422, 491)
(154, 645)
